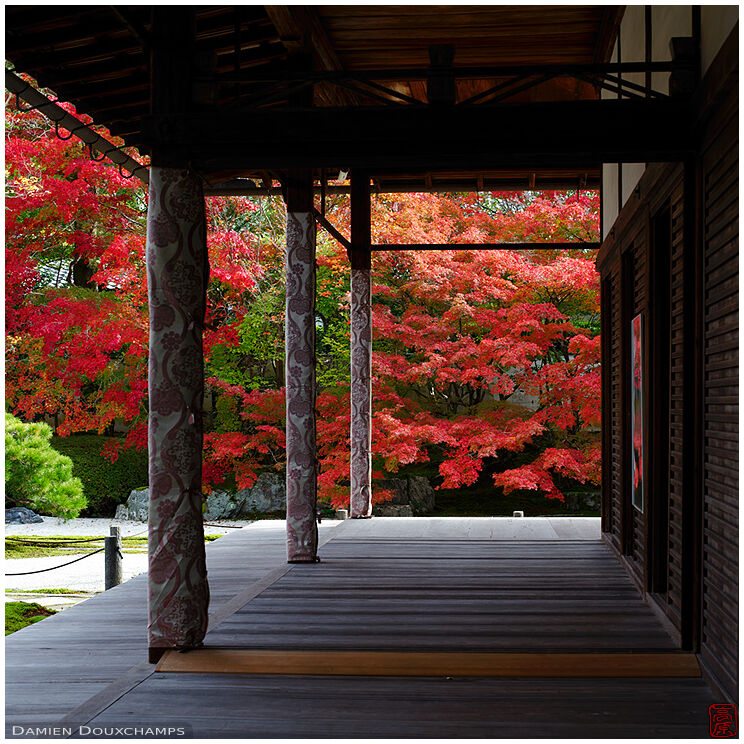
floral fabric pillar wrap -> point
(361, 392)
(177, 271)
(302, 529)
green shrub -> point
(106, 483)
(37, 476)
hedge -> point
(105, 484)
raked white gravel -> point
(86, 575)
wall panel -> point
(720, 396)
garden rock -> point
(21, 515)
(136, 507)
(387, 509)
(583, 500)
(267, 496)
(415, 493)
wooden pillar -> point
(361, 348)
(177, 273)
(176, 279)
(302, 528)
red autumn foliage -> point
(480, 357)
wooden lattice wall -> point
(720, 231)
(693, 471)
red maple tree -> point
(477, 353)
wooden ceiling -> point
(377, 37)
(97, 57)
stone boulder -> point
(136, 507)
(415, 493)
(583, 501)
(21, 515)
(387, 509)
(267, 496)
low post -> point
(113, 558)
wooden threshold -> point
(425, 664)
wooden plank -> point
(476, 605)
(94, 649)
(255, 706)
(392, 664)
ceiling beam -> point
(247, 187)
(301, 30)
(575, 245)
(612, 16)
(577, 134)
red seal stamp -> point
(722, 720)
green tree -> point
(36, 475)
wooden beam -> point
(612, 16)
(484, 246)
(430, 664)
(300, 28)
(477, 138)
(246, 186)
(133, 25)
(332, 230)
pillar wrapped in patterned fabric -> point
(177, 269)
(361, 392)
(302, 529)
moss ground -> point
(29, 546)
(74, 592)
(20, 614)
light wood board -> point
(423, 664)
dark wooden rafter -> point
(61, 118)
(300, 28)
(99, 49)
(609, 28)
(66, 30)
(510, 83)
(414, 184)
(98, 58)
(132, 23)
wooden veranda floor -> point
(384, 585)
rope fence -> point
(53, 568)
(20, 540)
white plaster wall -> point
(609, 197)
(716, 22)
(632, 173)
(667, 21)
(633, 40)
